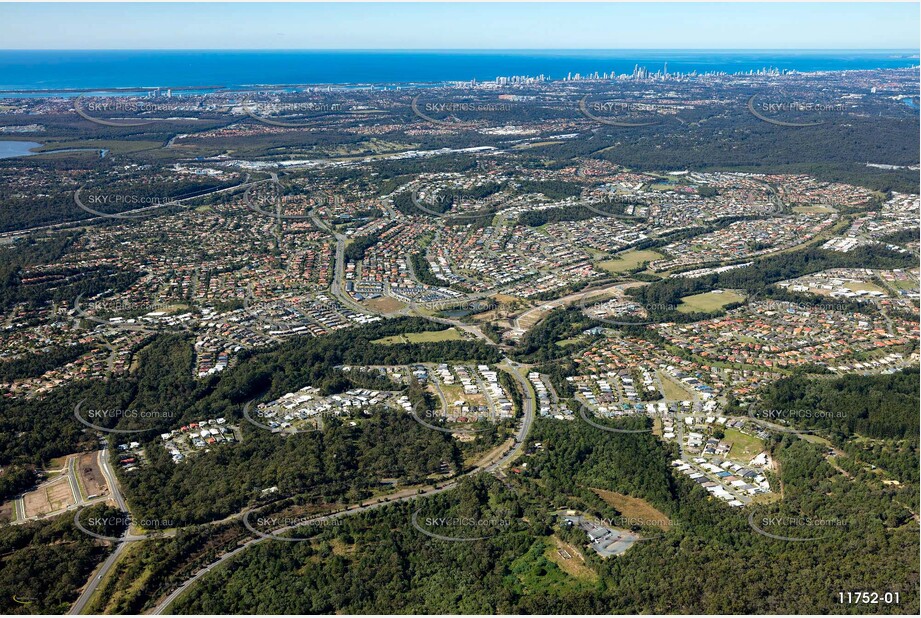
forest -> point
(875, 406)
(44, 563)
(380, 563)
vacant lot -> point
(863, 286)
(708, 301)
(536, 144)
(622, 262)
(385, 304)
(569, 559)
(672, 389)
(634, 508)
(49, 497)
(91, 478)
(448, 334)
(572, 340)
(813, 209)
(744, 446)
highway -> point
(109, 562)
(74, 482)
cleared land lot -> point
(536, 144)
(628, 260)
(569, 559)
(634, 508)
(385, 304)
(91, 477)
(744, 446)
(448, 334)
(672, 389)
(708, 301)
(812, 209)
(863, 286)
(49, 497)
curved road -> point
(528, 413)
(527, 421)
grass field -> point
(574, 565)
(629, 260)
(708, 301)
(534, 572)
(810, 437)
(375, 146)
(863, 286)
(634, 508)
(385, 304)
(744, 446)
(812, 209)
(565, 342)
(448, 334)
(904, 284)
(672, 390)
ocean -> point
(56, 70)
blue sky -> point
(460, 26)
